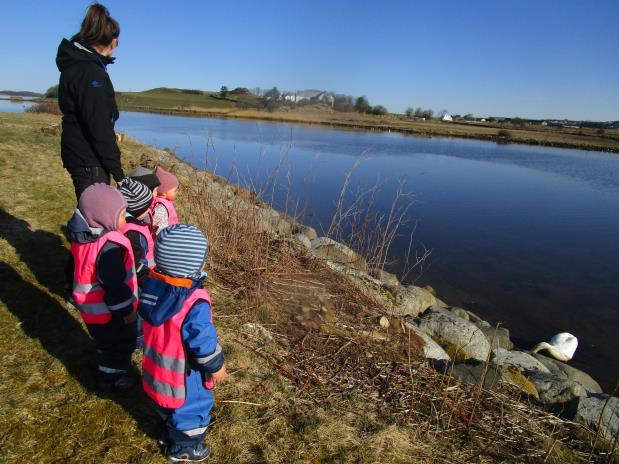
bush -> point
(504, 135)
(45, 107)
(52, 92)
(362, 105)
(343, 104)
(192, 91)
(379, 110)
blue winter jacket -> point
(198, 333)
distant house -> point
(544, 123)
(240, 91)
(314, 96)
(447, 117)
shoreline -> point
(388, 126)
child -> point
(164, 213)
(147, 177)
(104, 282)
(137, 230)
(182, 358)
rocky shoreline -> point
(454, 340)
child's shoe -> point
(198, 453)
(123, 384)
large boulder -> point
(328, 249)
(386, 278)
(590, 409)
(474, 371)
(430, 349)
(461, 338)
(497, 336)
(565, 371)
(518, 359)
(309, 232)
(411, 300)
(554, 390)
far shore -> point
(583, 139)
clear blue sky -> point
(551, 58)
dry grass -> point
(328, 386)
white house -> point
(311, 95)
(447, 117)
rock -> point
(386, 278)
(384, 322)
(271, 221)
(565, 371)
(498, 337)
(475, 319)
(463, 313)
(462, 335)
(304, 243)
(514, 377)
(430, 288)
(430, 349)
(258, 329)
(327, 249)
(52, 129)
(411, 300)
(473, 371)
(554, 390)
(518, 359)
(309, 232)
(590, 409)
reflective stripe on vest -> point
(87, 292)
(164, 362)
(145, 231)
(169, 206)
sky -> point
(532, 59)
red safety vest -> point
(87, 292)
(145, 231)
(169, 206)
(164, 362)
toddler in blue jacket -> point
(182, 357)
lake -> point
(8, 106)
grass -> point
(177, 101)
(323, 388)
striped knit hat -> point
(138, 196)
(180, 250)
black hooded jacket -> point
(86, 98)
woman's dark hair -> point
(98, 27)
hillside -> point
(314, 377)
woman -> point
(86, 97)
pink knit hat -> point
(167, 179)
(101, 205)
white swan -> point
(562, 346)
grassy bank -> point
(176, 101)
(324, 384)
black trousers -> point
(115, 341)
(85, 177)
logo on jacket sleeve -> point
(95, 84)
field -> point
(316, 384)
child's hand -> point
(129, 318)
(220, 375)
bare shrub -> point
(49, 107)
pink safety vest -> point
(164, 362)
(145, 231)
(87, 292)
(169, 206)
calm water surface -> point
(8, 106)
(524, 236)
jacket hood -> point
(78, 230)
(70, 53)
(160, 301)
